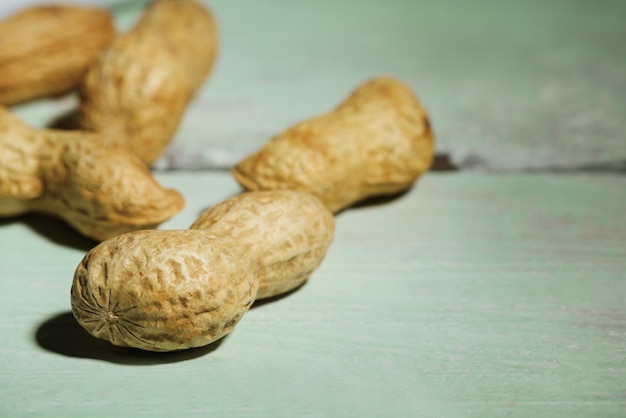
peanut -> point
(100, 189)
(170, 290)
(162, 290)
(377, 142)
(137, 91)
(46, 50)
(286, 233)
(191, 27)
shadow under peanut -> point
(61, 334)
(53, 230)
(266, 301)
(441, 163)
(66, 122)
(376, 201)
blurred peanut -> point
(137, 91)
(46, 50)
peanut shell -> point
(46, 50)
(171, 290)
(286, 233)
(162, 290)
(137, 91)
(377, 142)
(99, 188)
(192, 28)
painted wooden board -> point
(472, 295)
(509, 85)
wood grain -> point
(470, 296)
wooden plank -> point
(510, 85)
(471, 295)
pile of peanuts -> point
(166, 290)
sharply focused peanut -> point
(162, 290)
(100, 189)
(137, 91)
(46, 50)
(170, 290)
(286, 233)
(377, 142)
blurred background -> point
(510, 85)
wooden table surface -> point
(472, 295)
(486, 292)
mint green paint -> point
(509, 85)
(470, 296)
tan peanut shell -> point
(137, 91)
(170, 290)
(192, 28)
(377, 142)
(46, 50)
(101, 189)
(162, 290)
(286, 233)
